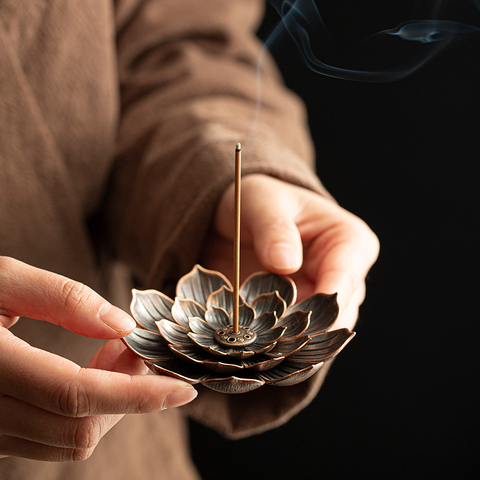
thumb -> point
(36, 293)
(269, 218)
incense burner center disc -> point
(227, 337)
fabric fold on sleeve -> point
(188, 79)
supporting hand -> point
(293, 231)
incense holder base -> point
(229, 338)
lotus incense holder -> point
(232, 338)
(192, 337)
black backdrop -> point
(401, 398)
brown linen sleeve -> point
(187, 71)
(188, 93)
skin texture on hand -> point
(51, 408)
(293, 231)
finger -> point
(104, 358)
(269, 218)
(115, 357)
(60, 386)
(18, 447)
(130, 364)
(25, 421)
(345, 258)
(32, 292)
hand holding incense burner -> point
(235, 339)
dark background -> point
(400, 401)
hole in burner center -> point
(226, 337)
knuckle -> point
(75, 294)
(87, 433)
(72, 399)
(277, 225)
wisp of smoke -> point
(389, 55)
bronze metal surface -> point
(192, 337)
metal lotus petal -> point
(266, 341)
(269, 302)
(263, 282)
(297, 323)
(246, 315)
(289, 347)
(254, 363)
(286, 344)
(323, 347)
(223, 298)
(147, 345)
(271, 336)
(204, 341)
(182, 310)
(260, 363)
(200, 283)
(217, 318)
(324, 310)
(263, 347)
(197, 325)
(287, 374)
(149, 306)
(189, 373)
(224, 367)
(211, 346)
(231, 352)
(173, 333)
(190, 354)
(264, 323)
(233, 384)
(200, 356)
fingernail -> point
(180, 397)
(284, 255)
(116, 318)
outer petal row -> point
(147, 345)
(283, 375)
(324, 310)
(149, 306)
(255, 363)
(323, 347)
(291, 371)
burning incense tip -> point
(238, 147)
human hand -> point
(51, 408)
(293, 231)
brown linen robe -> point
(118, 121)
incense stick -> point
(236, 238)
